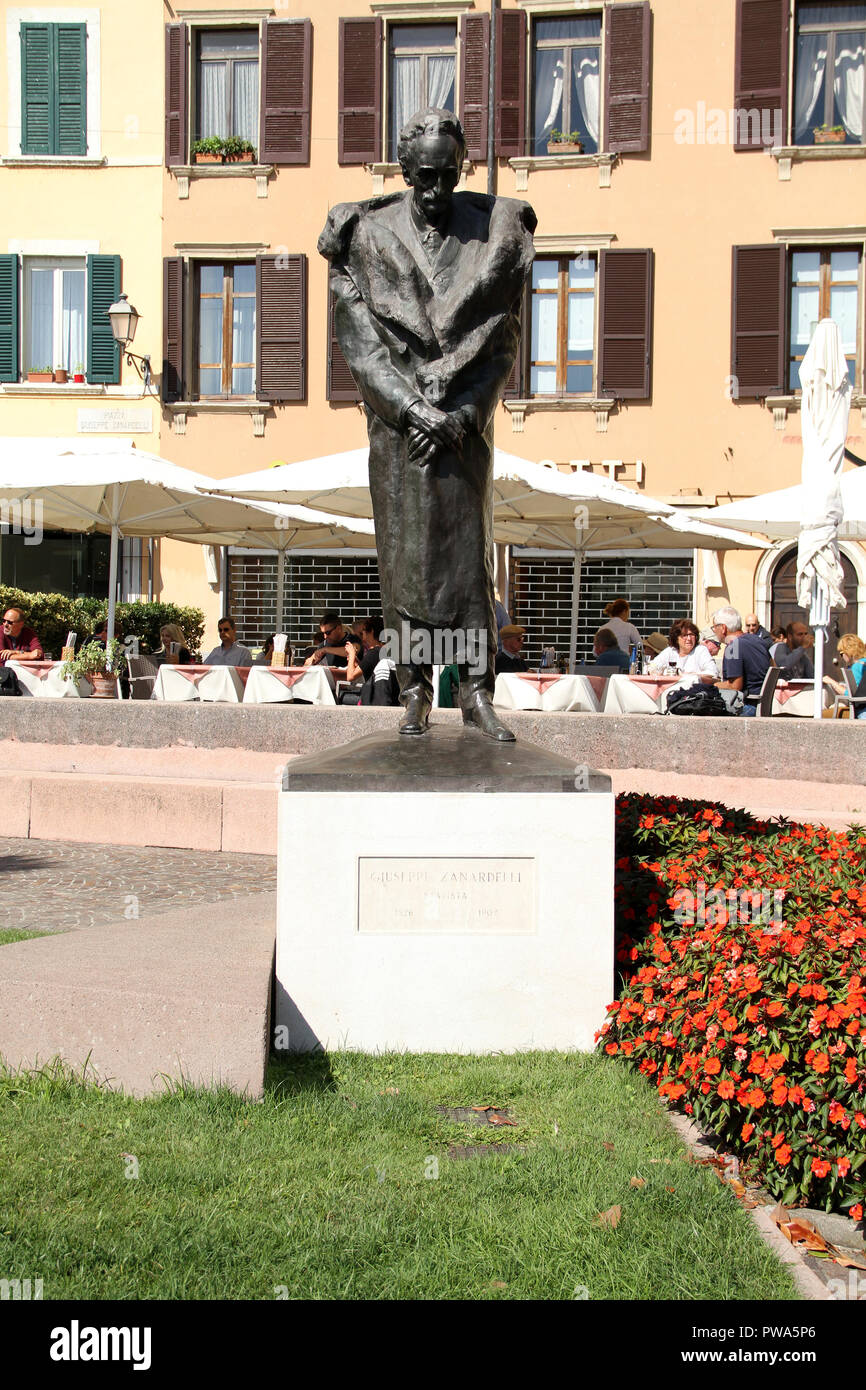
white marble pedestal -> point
(443, 894)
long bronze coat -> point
(444, 328)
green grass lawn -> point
(10, 934)
(328, 1188)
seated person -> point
(652, 645)
(714, 647)
(795, 660)
(745, 663)
(332, 652)
(372, 666)
(512, 637)
(686, 654)
(18, 642)
(304, 652)
(755, 628)
(229, 652)
(266, 655)
(170, 636)
(608, 652)
(852, 653)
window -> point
(228, 84)
(54, 313)
(54, 89)
(566, 86)
(226, 330)
(829, 72)
(824, 284)
(422, 60)
(562, 343)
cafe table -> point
(547, 691)
(638, 694)
(178, 684)
(268, 685)
(797, 698)
(43, 681)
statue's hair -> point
(431, 121)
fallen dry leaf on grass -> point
(803, 1236)
(494, 1118)
(611, 1217)
(670, 1189)
(498, 1284)
(606, 1145)
(637, 1182)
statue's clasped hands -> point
(431, 429)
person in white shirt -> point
(229, 652)
(686, 654)
(626, 634)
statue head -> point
(431, 150)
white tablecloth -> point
(43, 680)
(271, 685)
(798, 698)
(526, 690)
(181, 683)
(638, 694)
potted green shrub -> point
(564, 142)
(829, 135)
(99, 665)
(209, 150)
(238, 151)
(78, 374)
(41, 374)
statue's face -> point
(433, 171)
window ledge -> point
(519, 409)
(184, 172)
(781, 407)
(524, 165)
(48, 388)
(788, 155)
(54, 161)
(180, 410)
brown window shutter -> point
(172, 329)
(341, 383)
(625, 324)
(760, 283)
(284, 134)
(510, 83)
(515, 386)
(761, 72)
(281, 327)
(627, 82)
(359, 139)
(474, 82)
(176, 83)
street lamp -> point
(123, 318)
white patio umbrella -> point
(532, 505)
(127, 492)
(824, 415)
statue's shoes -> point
(414, 721)
(480, 714)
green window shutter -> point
(70, 88)
(103, 289)
(37, 89)
(8, 318)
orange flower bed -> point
(742, 949)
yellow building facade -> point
(705, 213)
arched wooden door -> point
(785, 608)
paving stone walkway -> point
(58, 885)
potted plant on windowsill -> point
(209, 150)
(564, 142)
(238, 151)
(829, 135)
(78, 374)
(99, 665)
(61, 376)
(40, 374)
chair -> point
(768, 690)
(850, 701)
(142, 676)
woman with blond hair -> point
(174, 651)
(852, 653)
(626, 633)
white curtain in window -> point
(72, 324)
(440, 79)
(848, 82)
(405, 93)
(811, 63)
(586, 86)
(246, 101)
(549, 76)
(41, 319)
(214, 117)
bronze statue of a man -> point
(427, 289)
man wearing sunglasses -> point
(229, 652)
(334, 650)
(17, 641)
